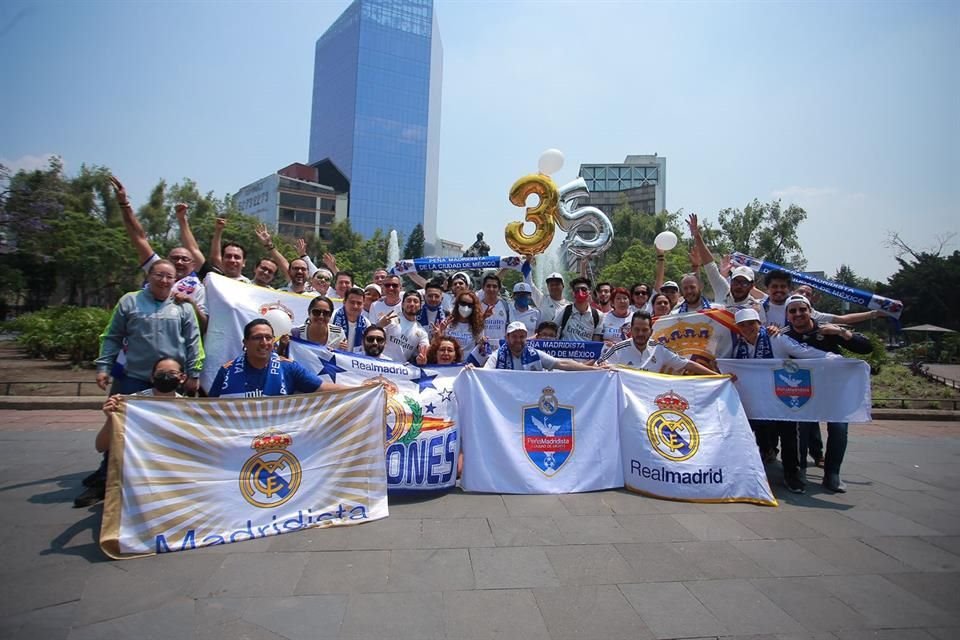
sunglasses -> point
(320, 313)
(465, 303)
(391, 285)
(374, 339)
(640, 293)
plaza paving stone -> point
(880, 562)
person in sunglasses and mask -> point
(166, 377)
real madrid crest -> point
(272, 475)
(671, 432)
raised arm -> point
(658, 276)
(264, 236)
(216, 254)
(138, 237)
(860, 316)
(186, 235)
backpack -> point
(568, 311)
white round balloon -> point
(665, 240)
(280, 322)
(550, 161)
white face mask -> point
(465, 311)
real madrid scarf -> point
(764, 348)
(340, 319)
(423, 317)
(684, 307)
(505, 358)
(239, 379)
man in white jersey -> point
(496, 313)
(554, 301)
(405, 337)
(390, 302)
(640, 353)
(579, 321)
(522, 310)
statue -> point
(478, 249)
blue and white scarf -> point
(505, 358)
(423, 317)
(764, 348)
(237, 377)
(684, 307)
(340, 319)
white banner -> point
(231, 305)
(195, 473)
(687, 438)
(823, 389)
(539, 432)
(421, 434)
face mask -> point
(166, 382)
(466, 312)
(580, 296)
(522, 301)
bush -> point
(70, 332)
(877, 358)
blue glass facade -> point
(376, 112)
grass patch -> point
(897, 381)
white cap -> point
(742, 272)
(375, 287)
(745, 315)
(461, 275)
(522, 287)
(797, 298)
(668, 284)
(554, 276)
(516, 326)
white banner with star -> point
(422, 438)
(687, 438)
(197, 473)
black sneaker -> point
(92, 479)
(91, 496)
(794, 483)
(832, 482)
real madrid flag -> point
(687, 438)
(194, 473)
(539, 432)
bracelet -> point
(659, 258)
(124, 204)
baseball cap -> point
(797, 298)
(522, 287)
(668, 284)
(742, 272)
(516, 326)
(375, 287)
(745, 315)
(461, 275)
(554, 276)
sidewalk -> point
(882, 561)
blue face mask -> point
(522, 300)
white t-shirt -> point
(655, 357)
(580, 326)
(463, 334)
(776, 314)
(545, 363)
(380, 308)
(530, 318)
(495, 318)
(404, 338)
(614, 328)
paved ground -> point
(879, 562)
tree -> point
(767, 231)
(414, 246)
(927, 284)
(638, 264)
(631, 226)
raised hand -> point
(220, 224)
(301, 245)
(263, 234)
(121, 192)
(180, 209)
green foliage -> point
(631, 227)
(876, 358)
(927, 284)
(765, 230)
(638, 264)
(355, 254)
(897, 381)
(70, 332)
(414, 246)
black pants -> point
(810, 441)
(767, 431)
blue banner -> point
(867, 299)
(569, 348)
(458, 264)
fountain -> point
(393, 249)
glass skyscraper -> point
(376, 112)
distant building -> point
(376, 113)
(295, 202)
(449, 249)
(640, 180)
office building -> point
(376, 113)
(640, 181)
(295, 202)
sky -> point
(848, 109)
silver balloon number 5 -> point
(577, 220)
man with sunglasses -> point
(390, 302)
(825, 337)
(374, 341)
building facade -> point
(640, 180)
(294, 202)
(376, 113)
